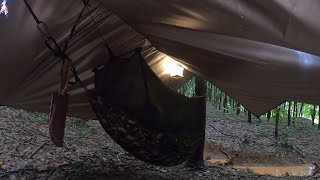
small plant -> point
(264, 131)
(78, 124)
(286, 143)
(41, 118)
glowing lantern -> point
(4, 9)
(172, 68)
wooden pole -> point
(196, 160)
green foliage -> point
(218, 97)
(283, 113)
(188, 88)
(285, 143)
(41, 118)
(78, 124)
(264, 131)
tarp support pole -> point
(196, 159)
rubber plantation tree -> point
(289, 114)
(238, 108)
(215, 91)
(313, 114)
(209, 91)
(225, 103)
(301, 110)
(269, 115)
(249, 117)
(220, 100)
(319, 118)
(276, 131)
(295, 109)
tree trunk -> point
(301, 110)
(277, 123)
(225, 103)
(238, 108)
(196, 159)
(269, 115)
(295, 109)
(319, 118)
(215, 92)
(233, 105)
(313, 115)
(249, 116)
(220, 100)
(209, 88)
(289, 114)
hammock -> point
(145, 117)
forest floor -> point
(248, 150)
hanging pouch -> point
(59, 107)
(57, 117)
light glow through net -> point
(172, 68)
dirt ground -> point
(89, 153)
(256, 143)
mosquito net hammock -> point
(144, 116)
(140, 113)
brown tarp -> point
(242, 46)
(29, 73)
(247, 48)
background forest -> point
(288, 111)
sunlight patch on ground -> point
(291, 170)
(299, 170)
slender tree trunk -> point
(215, 96)
(225, 103)
(289, 114)
(196, 159)
(313, 115)
(301, 110)
(295, 109)
(233, 104)
(212, 93)
(182, 90)
(277, 123)
(220, 100)
(249, 117)
(238, 108)
(269, 115)
(209, 91)
(319, 118)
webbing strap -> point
(49, 40)
(100, 33)
(85, 2)
(32, 13)
(53, 46)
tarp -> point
(250, 49)
(29, 73)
